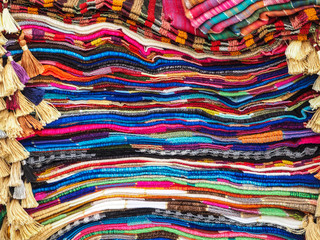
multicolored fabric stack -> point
(160, 119)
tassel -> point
(4, 115)
(13, 128)
(30, 201)
(4, 149)
(8, 22)
(296, 51)
(26, 127)
(26, 106)
(3, 51)
(306, 49)
(317, 214)
(12, 102)
(315, 103)
(4, 230)
(17, 151)
(7, 86)
(19, 192)
(30, 230)
(4, 168)
(15, 234)
(35, 95)
(312, 229)
(1, 64)
(4, 190)
(11, 82)
(3, 92)
(313, 122)
(32, 122)
(313, 62)
(19, 219)
(3, 104)
(28, 61)
(44, 233)
(28, 172)
(17, 216)
(1, 25)
(21, 73)
(316, 85)
(3, 40)
(46, 113)
(15, 175)
(2, 135)
(295, 66)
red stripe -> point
(151, 18)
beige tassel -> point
(3, 92)
(4, 190)
(313, 122)
(8, 87)
(15, 175)
(26, 106)
(4, 168)
(46, 112)
(13, 128)
(30, 201)
(4, 149)
(312, 229)
(2, 51)
(44, 233)
(4, 115)
(4, 230)
(20, 220)
(313, 62)
(296, 51)
(295, 66)
(317, 214)
(17, 216)
(2, 104)
(15, 234)
(10, 79)
(17, 151)
(32, 66)
(1, 66)
(30, 230)
(1, 26)
(3, 40)
(8, 22)
(306, 48)
(315, 103)
(316, 85)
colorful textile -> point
(171, 120)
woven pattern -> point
(177, 120)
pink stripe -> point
(216, 204)
(310, 140)
(63, 86)
(155, 184)
(293, 78)
(224, 234)
(149, 130)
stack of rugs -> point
(160, 119)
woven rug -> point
(158, 119)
